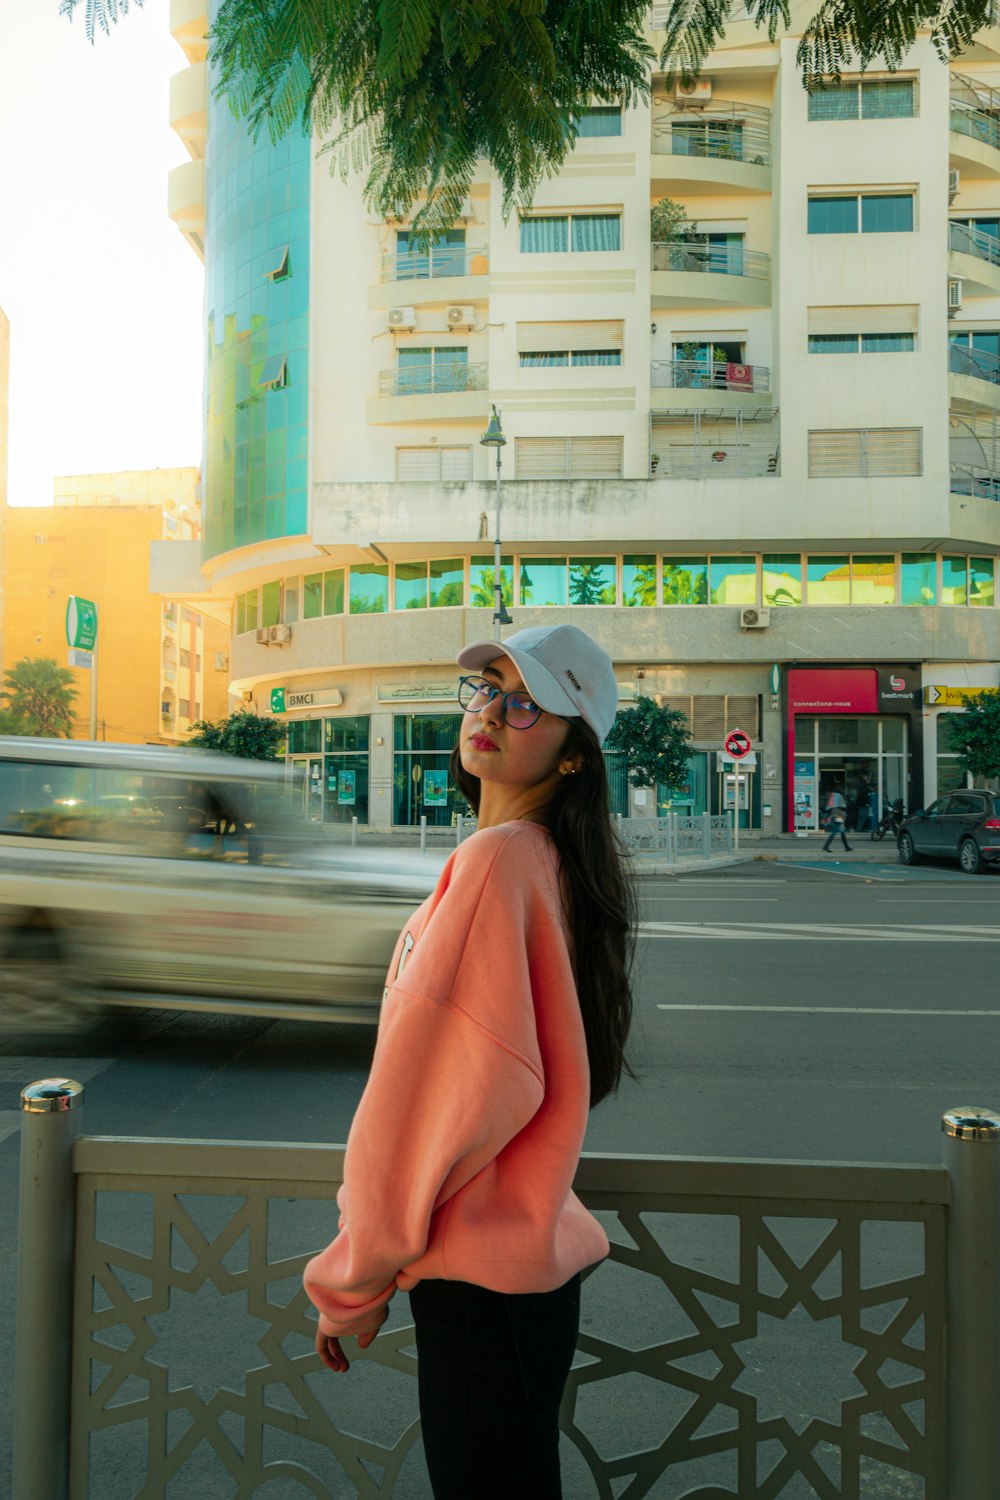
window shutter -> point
(893, 450)
(541, 458)
(553, 338)
(865, 452)
(834, 454)
(456, 463)
(595, 457)
(568, 458)
(741, 713)
(901, 318)
(709, 717)
(418, 463)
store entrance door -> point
(306, 774)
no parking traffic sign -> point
(738, 744)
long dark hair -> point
(599, 895)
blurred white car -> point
(139, 876)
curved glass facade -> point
(257, 312)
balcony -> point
(971, 479)
(431, 393)
(700, 443)
(446, 273)
(189, 107)
(974, 258)
(189, 25)
(720, 385)
(186, 203)
(690, 274)
(975, 127)
(725, 145)
(968, 364)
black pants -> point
(491, 1371)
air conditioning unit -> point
(402, 318)
(280, 635)
(263, 635)
(221, 661)
(954, 296)
(954, 178)
(754, 619)
(461, 317)
(698, 92)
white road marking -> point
(833, 1010)
(744, 880)
(821, 932)
(722, 900)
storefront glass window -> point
(981, 580)
(305, 736)
(860, 733)
(638, 581)
(333, 592)
(733, 580)
(592, 580)
(270, 603)
(447, 582)
(828, 580)
(346, 734)
(411, 586)
(369, 589)
(543, 580)
(782, 578)
(805, 734)
(918, 578)
(421, 785)
(290, 603)
(873, 580)
(685, 580)
(893, 735)
(312, 596)
(346, 789)
(482, 581)
(954, 572)
(950, 776)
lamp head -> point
(493, 436)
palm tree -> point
(417, 93)
(41, 694)
(13, 723)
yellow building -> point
(161, 665)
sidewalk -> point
(786, 847)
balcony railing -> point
(441, 260)
(740, 444)
(969, 479)
(432, 380)
(978, 363)
(725, 130)
(975, 110)
(720, 375)
(974, 242)
(721, 260)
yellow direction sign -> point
(952, 697)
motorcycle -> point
(891, 820)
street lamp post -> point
(493, 438)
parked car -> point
(140, 876)
(964, 826)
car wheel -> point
(907, 853)
(969, 857)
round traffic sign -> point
(738, 744)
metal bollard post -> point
(458, 830)
(44, 1338)
(354, 832)
(423, 833)
(706, 834)
(972, 1160)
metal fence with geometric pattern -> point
(760, 1329)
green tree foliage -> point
(643, 591)
(250, 736)
(41, 695)
(12, 723)
(482, 595)
(669, 223)
(415, 92)
(975, 736)
(655, 742)
(587, 585)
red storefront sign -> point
(814, 691)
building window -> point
(290, 601)
(184, 708)
(184, 658)
(434, 464)
(440, 584)
(247, 611)
(828, 580)
(568, 458)
(369, 589)
(865, 452)
(540, 345)
(567, 357)
(601, 120)
(548, 233)
(732, 580)
(865, 99)
(781, 578)
(274, 375)
(433, 371)
(685, 580)
(918, 578)
(305, 736)
(967, 580)
(446, 256)
(873, 213)
(482, 581)
(639, 580)
(346, 770)
(323, 594)
(862, 343)
(421, 784)
(270, 603)
(873, 579)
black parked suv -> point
(963, 826)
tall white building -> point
(758, 462)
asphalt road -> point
(787, 1011)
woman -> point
(504, 1019)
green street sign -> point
(81, 623)
(278, 700)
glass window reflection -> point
(733, 580)
(592, 580)
(781, 578)
(369, 589)
(828, 580)
(954, 574)
(543, 580)
(873, 580)
(685, 580)
(639, 580)
(447, 582)
(918, 578)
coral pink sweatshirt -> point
(461, 1156)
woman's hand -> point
(330, 1349)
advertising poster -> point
(805, 793)
(435, 788)
(346, 788)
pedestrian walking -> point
(504, 1020)
(836, 815)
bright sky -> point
(103, 295)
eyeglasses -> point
(518, 709)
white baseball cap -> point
(563, 669)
